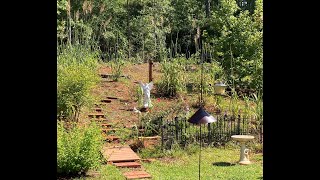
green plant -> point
(78, 148)
(76, 77)
(116, 69)
(258, 109)
(172, 82)
(139, 96)
(151, 152)
(234, 107)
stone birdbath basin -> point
(244, 152)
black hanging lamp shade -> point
(201, 117)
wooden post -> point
(150, 70)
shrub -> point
(116, 69)
(78, 148)
(76, 77)
(172, 81)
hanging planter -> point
(219, 88)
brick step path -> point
(127, 164)
(96, 115)
(124, 156)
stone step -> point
(136, 175)
(96, 115)
(127, 164)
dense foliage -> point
(230, 32)
(78, 148)
(76, 77)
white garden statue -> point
(146, 88)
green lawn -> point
(216, 163)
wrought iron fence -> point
(179, 130)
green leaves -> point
(173, 80)
(116, 68)
(76, 77)
(238, 42)
(78, 147)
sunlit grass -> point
(216, 163)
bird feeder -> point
(219, 88)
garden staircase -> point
(125, 157)
(106, 127)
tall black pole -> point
(128, 30)
(200, 151)
(201, 88)
(201, 105)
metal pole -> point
(150, 70)
(201, 88)
(200, 151)
(128, 30)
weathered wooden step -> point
(127, 164)
(99, 105)
(96, 115)
(110, 97)
(100, 120)
(97, 109)
(112, 138)
(106, 100)
(136, 175)
(119, 154)
(106, 125)
(150, 138)
(106, 130)
(106, 75)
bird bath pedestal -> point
(244, 152)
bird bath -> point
(244, 152)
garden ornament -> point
(146, 88)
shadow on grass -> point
(89, 174)
(223, 164)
